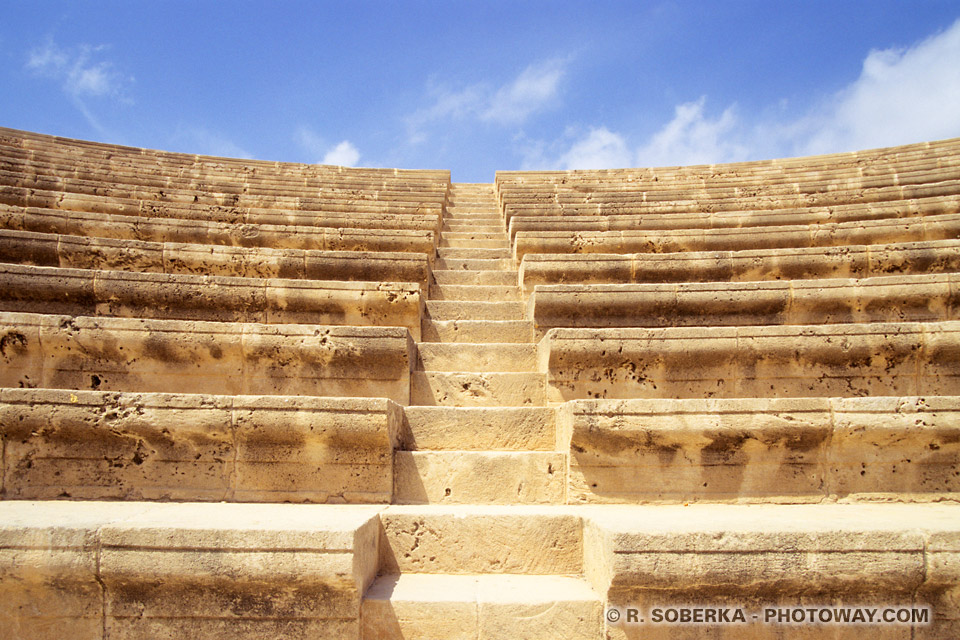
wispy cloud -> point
(599, 149)
(901, 96)
(536, 88)
(202, 141)
(83, 73)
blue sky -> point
(479, 86)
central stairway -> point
(478, 434)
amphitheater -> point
(249, 399)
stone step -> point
(891, 449)
(489, 278)
(879, 359)
(174, 296)
(473, 253)
(96, 445)
(54, 250)
(473, 234)
(481, 539)
(461, 215)
(472, 227)
(913, 298)
(451, 331)
(473, 243)
(429, 606)
(784, 557)
(469, 264)
(460, 310)
(177, 356)
(474, 292)
(182, 570)
(469, 389)
(480, 357)
(478, 428)
(464, 477)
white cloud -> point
(901, 96)
(344, 154)
(535, 88)
(693, 138)
(81, 75)
(600, 149)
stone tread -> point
(409, 606)
(453, 331)
(479, 357)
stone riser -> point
(789, 361)
(148, 201)
(50, 250)
(486, 278)
(476, 293)
(172, 356)
(468, 310)
(922, 298)
(762, 450)
(737, 219)
(87, 445)
(322, 233)
(856, 261)
(476, 331)
(87, 292)
(480, 358)
(946, 227)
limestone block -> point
(201, 357)
(470, 539)
(97, 445)
(467, 389)
(497, 356)
(464, 477)
(829, 360)
(476, 331)
(478, 428)
(761, 450)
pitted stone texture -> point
(763, 450)
(123, 354)
(169, 570)
(77, 252)
(794, 361)
(918, 298)
(464, 539)
(476, 331)
(489, 357)
(478, 428)
(100, 445)
(852, 261)
(465, 389)
(479, 477)
(219, 298)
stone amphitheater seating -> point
(474, 411)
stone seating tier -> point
(140, 570)
(90, 292)
(866, 162)
(915, 298)
(78, 252)
(99, 225)
(695, 204)
(174, 356)
(154, 202)
(867, 232)
(749, 265)
(897, 209)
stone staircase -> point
(477, 433)
(250, 399)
